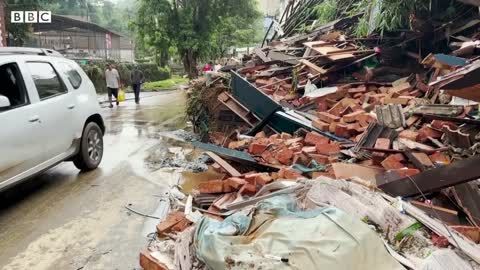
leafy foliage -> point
(326, 11)
(95, 71)
(197, 29)
(376, 15)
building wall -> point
(85, 45)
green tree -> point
(194, 27)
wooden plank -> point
(456, 173)
(314, 67)
(346, 171)
(468, 198)
(261, 54)
(224, 164)
(447, 215)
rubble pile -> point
(360, 130)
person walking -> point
(137, 78)
(113, 83)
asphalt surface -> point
(64, 219)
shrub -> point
(95, 71)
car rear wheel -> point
(91, 148)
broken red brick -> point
(382, 143)
(346, 111)
(289, 173)
(269, 158)
(256, 148)
(352, 117)
(393, 162)
(263, 179)
(439, 157)
(317, 123)
(211, 187)
(237, 144)
(327, 117)
(408, 134)
(426, 132)
(248, 189)
(327, 149)
(235, 182)
(407, 172)
(341, 130)
(336, 109)
(182, 225)
(423, 159)
(285, 156)
(147, 262)
(320, 159)
(171, 220)
(438, 124)
(313, 138)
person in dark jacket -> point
(137, 78)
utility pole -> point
(3, 23)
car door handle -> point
(34, 119)
(71, 106)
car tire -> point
(91, 148)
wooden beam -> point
(224, 164)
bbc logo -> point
(31, 16)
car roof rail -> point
(31, 51)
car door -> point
(19, 149)
(54, 108)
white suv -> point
(49, 113)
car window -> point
(12, 87)
(46, 80)
(73, 76)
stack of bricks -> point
(348, 112)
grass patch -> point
(165, 84)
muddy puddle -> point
(191, 180)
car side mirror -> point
(4, 102)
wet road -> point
(66, 220)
